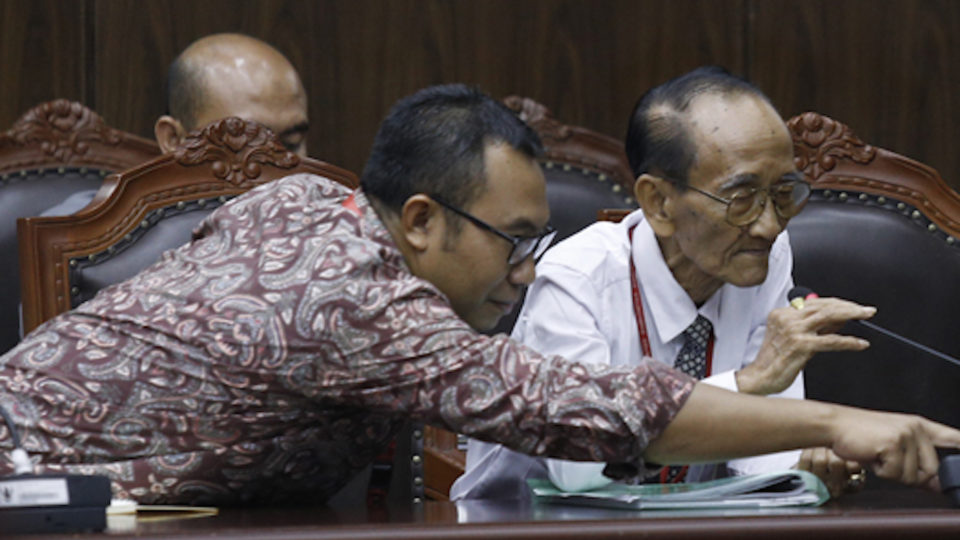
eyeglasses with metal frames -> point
(523, 246)
(744, 208)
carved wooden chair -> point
(154, 207)
(65, 260)
(880, 229)
(586, 172)
(55, 149)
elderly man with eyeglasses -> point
(707, 256)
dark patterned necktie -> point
(691, 360)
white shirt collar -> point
(672, 310)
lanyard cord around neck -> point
(638, 311)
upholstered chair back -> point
(882, 230)
(151, 208)
(586, 171)
(54, 150)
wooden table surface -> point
(887, 513)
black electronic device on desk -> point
(49, 503)
(950, 477)
(53, 503)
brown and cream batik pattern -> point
(274, 356)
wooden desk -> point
(882, 514)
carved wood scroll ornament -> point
(819, 142)
(538, 117)
(237, 149)
(62, 129)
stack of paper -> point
(775, 489)
(123, 515)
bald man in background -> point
(218, 76)
(215, 77)
(233, 75)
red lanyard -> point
(638, 312)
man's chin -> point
(487, 318)
(481, 322)
(749, 281)
(480, 325)
(749, 277)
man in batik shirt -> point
(277, 353)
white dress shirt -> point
(581, 307)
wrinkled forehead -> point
(734, 119)
(736, 134)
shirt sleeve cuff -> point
(726, 380)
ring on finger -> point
(856, 481)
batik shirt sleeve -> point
(277, 353)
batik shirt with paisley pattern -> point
(276, 355)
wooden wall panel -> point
(654, 43)
(588, 61)
(41, 54)
(890, 70)
(137, 39)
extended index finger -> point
(819, 312)
(941, 435)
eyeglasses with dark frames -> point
(746, 207)
(523, 246)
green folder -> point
(767, 490)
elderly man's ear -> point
(169, 133)
(656, 196)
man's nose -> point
(769, 224)
(523, 273)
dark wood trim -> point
(832, 157)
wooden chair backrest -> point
(147, 210)
(52, 151)
(880, 229)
